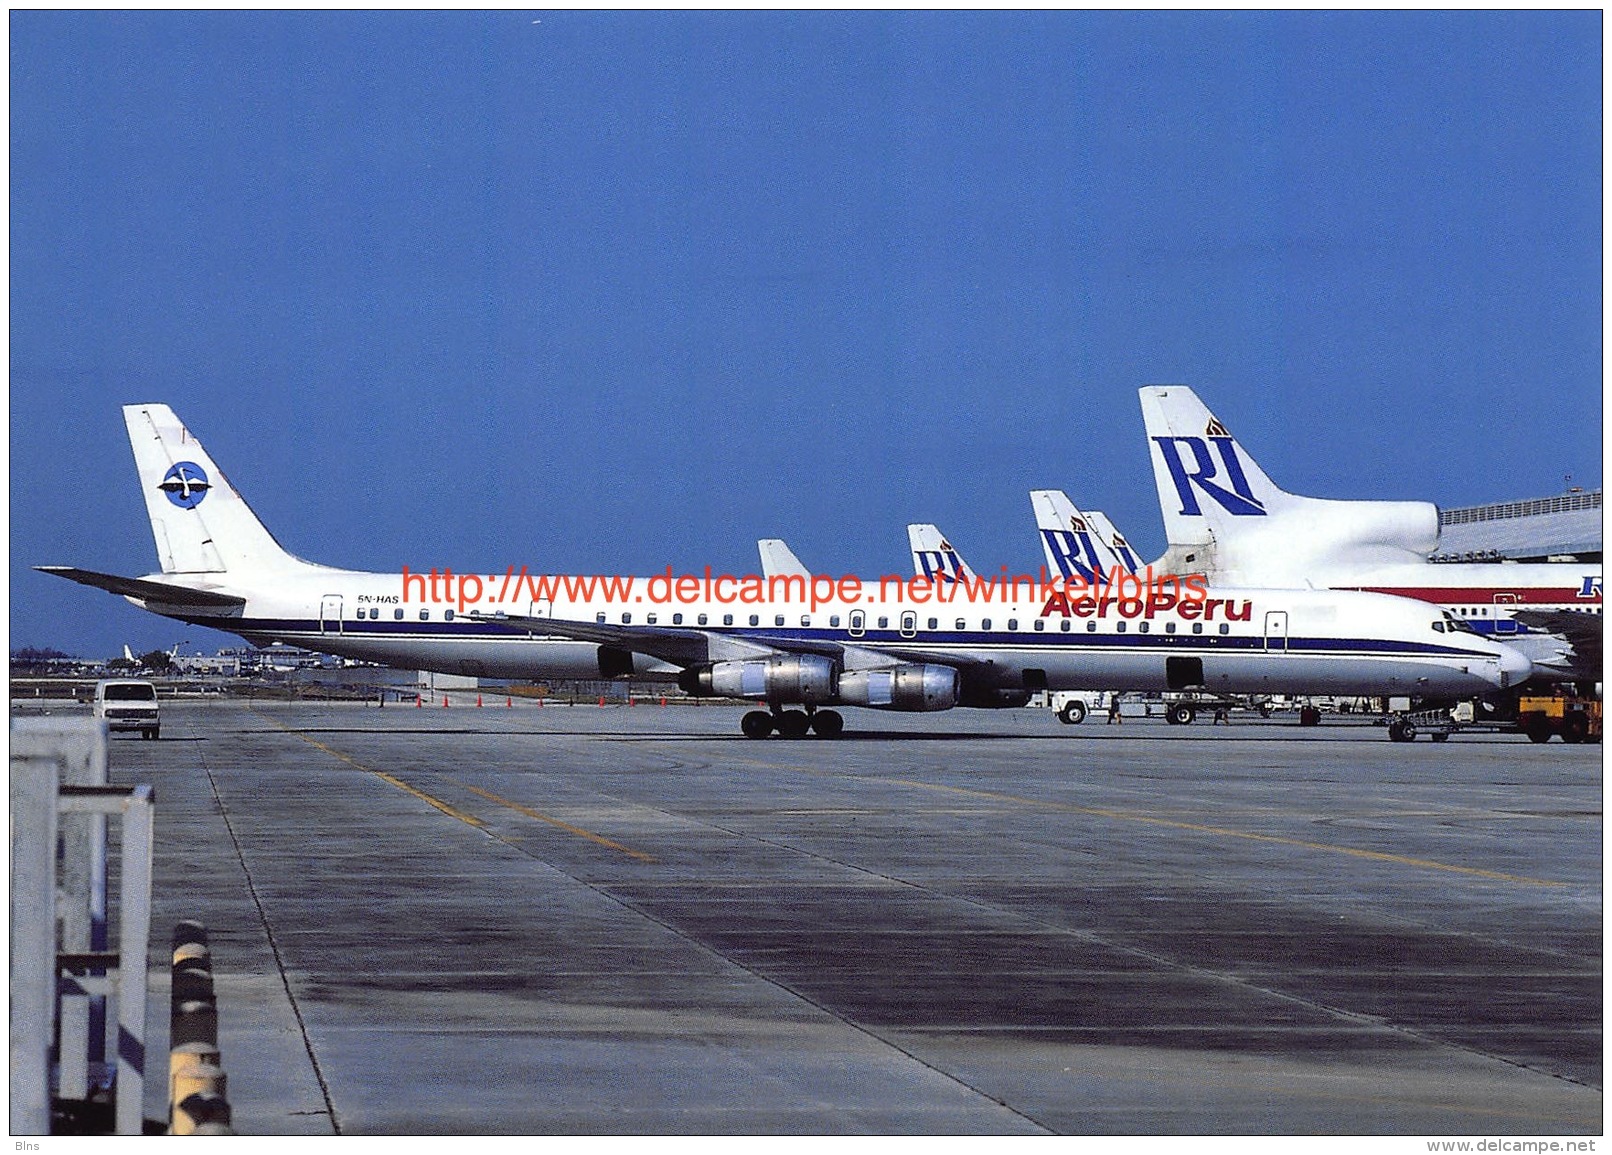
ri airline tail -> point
(201, 525)
(933, 556)
(1076, 544)
(1223, 516)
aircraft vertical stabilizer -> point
(778, 560)
(934, 557)
(1224, 517)
(198, 520)
(1078, 544)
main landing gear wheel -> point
(793, 723)
(756, 724)
(828, 723)
(1072, 714)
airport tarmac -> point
(582, 920)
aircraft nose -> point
(1514, 667)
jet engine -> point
(905, 687)
(783, 678)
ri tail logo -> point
(940, 565)
(1214, 455)
(1591, 588)
(1071, 550)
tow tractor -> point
(1539, 716)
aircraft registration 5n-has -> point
(222, 568)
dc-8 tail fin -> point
(200, 523)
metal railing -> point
(59, 794)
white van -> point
(127, 704)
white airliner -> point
(908, 649)
(1225, 519)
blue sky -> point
(607, 292)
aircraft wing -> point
(146, 590)
(1582, 631)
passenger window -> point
(1091, 627)
(1040, 624)
(1066, 626)
(934, 623)
(1197, 627)
(1120, 627)
(986, 624)
(805, 619)
(374, 615)
(397, 615)
(961, 624)
(1224, 628)
(425, 616)
(1169, 627)
(834, 622)
(447, 615)
(651, 619)
(597, 617)
(884, 623)
(727, 619)
(1013, 623)
(626, 619)
(779, 620)
(1142, 627)
(701, 619)
(677, 619)
(755, 619)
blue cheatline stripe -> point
(1019, 640)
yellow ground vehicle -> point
(1575, 719)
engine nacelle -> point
(907, 687)
(805, 679)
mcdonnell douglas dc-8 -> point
(1225, 519)
(908, 649)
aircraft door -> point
(1276, 630)
(858, 623)
(1504, 623)
(330, 614)
(909, 624)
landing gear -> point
(828, 723)
(792, 723)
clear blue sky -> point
(606, 292)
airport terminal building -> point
(1562, 528)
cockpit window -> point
(1456, 626)
(1438, 627)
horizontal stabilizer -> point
(172, 595)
